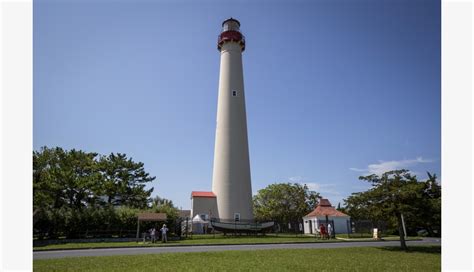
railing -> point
(242, 37)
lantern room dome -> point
(231, 33)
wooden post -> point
(138, 229)
(187, 226)
(333, 232)
(327, 221)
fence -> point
(364, 228)
(86, 234)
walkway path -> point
(172, 249)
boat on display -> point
(241, 226)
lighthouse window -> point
(234, 93)
(236, 217)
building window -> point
(234, 93)
(236, 217)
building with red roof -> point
(325, 211)
(202, 194)
(203, 204)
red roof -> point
(324, 208)
(202, 194)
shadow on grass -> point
(415, 249)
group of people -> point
(163, 231)
(326, 233)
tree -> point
(69, 188)
(123, 181)
(341, 209)
(64, 178)
(44, 190)
(395, 194)
(427, 213)
(284, 202)
(127, 218)
(160, 201)
(64, 183)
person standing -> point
(329, 231)
(322, 231)
(153, 235)
(164, 231)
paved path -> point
(171, 249)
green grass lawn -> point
(420, 258)
(209, 239)
(195, 240)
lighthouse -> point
(231, 182)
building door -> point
(310, 223)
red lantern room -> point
(231, 33)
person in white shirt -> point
(153, 235)
(164, 230)
(329, 230)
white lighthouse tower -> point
(231, 174)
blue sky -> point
(334, 89)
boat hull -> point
(242, 227)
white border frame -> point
(16, 135)
(457, 132)
(16, 142)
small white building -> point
(204, 204)
(318, 216)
